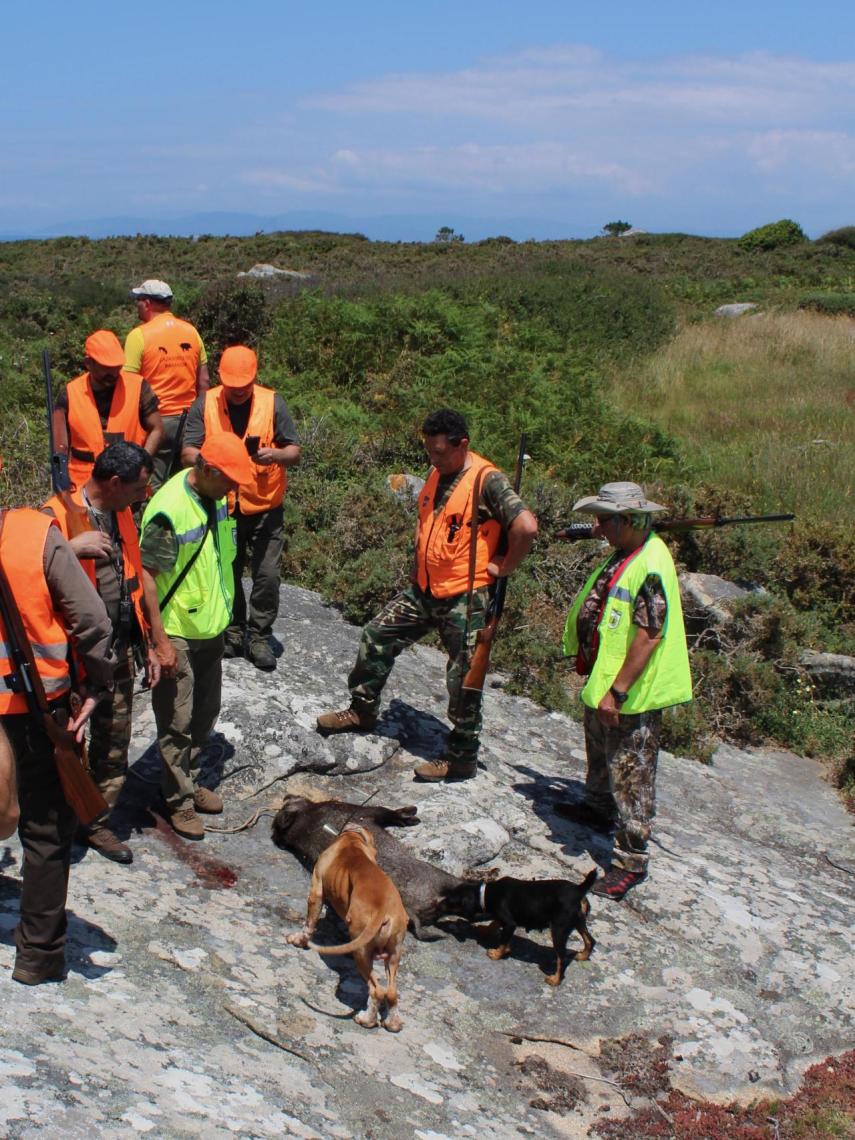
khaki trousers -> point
(186, 708)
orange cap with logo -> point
(105, 348)
(228, 454)
(238, 366)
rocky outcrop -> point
(736, 309)
(185, 1013)
(265, 271)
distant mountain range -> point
(385, 227)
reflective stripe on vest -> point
(202, 605)
(666, 679)
(86, 438)
(170, 361)
(443, 540)
(22, 553)
(131, 560)
(269, 482)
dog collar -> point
(482, 895)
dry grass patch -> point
(765, 405)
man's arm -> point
(287, 456)
(153, 424)
(203, 380)
(8, 788)
(639, 653)
(85, 618)
(521, 534)
(164, 650)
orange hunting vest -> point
(267, 489)
(70, 525)
(22, 547)
(443, 538)
(170, 361)
(86, 438)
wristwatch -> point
(619, 697)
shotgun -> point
(479, 662)
(81, 794)
(575, 531)
(59, 478)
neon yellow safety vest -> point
(201, 607)
(666, 679)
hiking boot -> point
(449, 770)
(106, 843)
(261, 655)
(348, 720)
(233, 643)
(29, 977)
(206, 801)
(615, 883)
(586, 815)
(187, 824)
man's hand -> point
(81, 715)
(91, 544)
(265, 456)
(167, 658)
(608, 713)
(152, 668)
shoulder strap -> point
(170, 593)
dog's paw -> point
(393, 1024)
(300, 939)
(553, 980)
(366, 1020)
(498, 953)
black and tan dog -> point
(347, 877)
(533, 904)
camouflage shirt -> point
(499, 500)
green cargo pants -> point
(402, 622)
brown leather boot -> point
(444, 769)
(186, 823)
(348, 720)
(206, 801)
(108, 844)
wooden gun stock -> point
(479, 662)
(81, 794)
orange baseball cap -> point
(105, 348)
(228, 454)
(238, 366)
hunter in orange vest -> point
(169, 354)
(97, 521)
(103, 405)
(53, 596)
(473, 528)
(258, 416)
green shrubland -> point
(604, 352)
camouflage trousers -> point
(621, 780)
(110, 731)
(404, 620)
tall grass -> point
(765, 406)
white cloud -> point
(543, 88)
(539, 167)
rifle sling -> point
(473, 554)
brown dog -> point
(347, 878)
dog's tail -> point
(367, 935)
(588, 882)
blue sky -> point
(488, 115)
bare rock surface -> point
(185, 1013)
